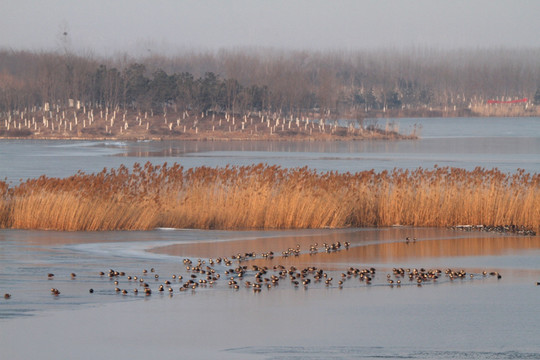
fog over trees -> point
(289, 82)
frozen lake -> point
(503, 143)
(470, 317)
(474, 317)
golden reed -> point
(270, 197)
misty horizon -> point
(139, 28)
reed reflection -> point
(366, 247)
(176, 148)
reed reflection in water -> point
(387, 247)
(483, 317)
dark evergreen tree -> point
(537, 97)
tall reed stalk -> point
(270, 197)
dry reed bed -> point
(270, 197)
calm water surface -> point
(504, 143)
(470, 318)
(478, 317)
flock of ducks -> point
(234, 273)
(502, 229)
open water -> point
(504, 143)
(478, 316)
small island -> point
(82, 122)
(253, 95)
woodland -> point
(238, 81)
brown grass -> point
(505, 110)
(128, 124)
(269, 197)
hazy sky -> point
(110, 26)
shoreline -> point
(225, 137)
(213, 138)
(374, 133)
(80, 123)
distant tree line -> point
(272, 80)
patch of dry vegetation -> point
(86, 122)
(505, 110)
(270, 197)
